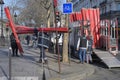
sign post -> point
(67, 8)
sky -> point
(61, 2)
(7, 2)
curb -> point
(77, 76)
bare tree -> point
(37, 11)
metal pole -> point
(1, 21)
(57, 46)
(44, 76)
(15, 16)
(69, 50)
(10, 63)
(116, 24)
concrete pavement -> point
(27, 68)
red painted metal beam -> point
(26, 30)
(12, 26)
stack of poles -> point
(93, 16)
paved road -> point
(103, 73)
(27, 66)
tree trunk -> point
(65, 43)
(48, 21)
(48, 15)
(65, 48)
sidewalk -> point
(27, 68)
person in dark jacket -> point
(28, 39)
(82, 48)
(43, 44)
(13, 45)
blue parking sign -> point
(67, 8)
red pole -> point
(12, 25)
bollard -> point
(10, 63)
(43, 76)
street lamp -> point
(1, 3)
(15, 16)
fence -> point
(4, 41)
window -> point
(118, 21)
(118, 6)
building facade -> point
(108, 8)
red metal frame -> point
(16, 29)
(13, 29)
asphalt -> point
(27, 68)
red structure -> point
(89, 17)
(16, 29)
(109, 35)
(104, 32)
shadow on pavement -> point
(4, 72)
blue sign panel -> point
(67, 8)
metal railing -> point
(4, 41)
